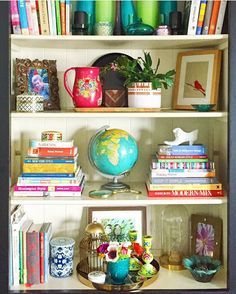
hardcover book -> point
(34, 17)
(193, 17)
(61, 144)
(15, 18)
(23, 17)
(201, 16)
(168, 180)
(49, 167)
(186, 193)
(29, 17)
(55, 151)
(181, 150)
(43, 15)
(187, 173)
(58, 16)
(214, 16)
(221, 15)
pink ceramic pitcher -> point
(87, 90)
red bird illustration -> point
(197, 87)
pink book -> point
(29, 17)
(72, 188)
(34, 17)
(15, 18)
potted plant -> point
(144, 86)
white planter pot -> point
(141, 95)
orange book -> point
(214, 17)
(63, 16)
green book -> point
(58, 16)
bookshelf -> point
(69, 215)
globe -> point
(113, 152)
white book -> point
(54, 22)
(68, 17)
(17, 219)
(221, 15)
(50, 16)
(193, 17)
(49, 144)
(34, 17)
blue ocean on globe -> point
(113, 151)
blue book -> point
(48, 175)
(201, 16)
(166, 180)
(182, 150)
(51, 160)
(23, 17)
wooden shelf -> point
(122, 42)
(121, 199)
(165, 113)
(166, 280)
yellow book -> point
(49, 167)
(153, 187)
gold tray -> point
(130, 285)
(116, 109)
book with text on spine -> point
(186, 193)
(181, 150)
(214, 16)
(15, 18)
(221, 15)
(201, 16)
(182, 165)
(55, 151)
(177, 180)
(49, 167)
(34, 17)
(23, 17)
(72, 188)
(193, 17)
(51, 159)
(43, 16)
(61, 144)
(189, 173)
(207, 17)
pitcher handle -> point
(66, 81)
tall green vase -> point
(148, 11)
(105, 11)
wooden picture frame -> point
(120, 220)
(197, 78)
(206, 235)
(38, 77)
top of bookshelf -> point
(111, 42)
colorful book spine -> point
(48, 175)
(214, 16)
(75, 188)
(193, 17)
(51, 144)
(182, 173)
(191, 160)
(201, 16)
(63, 16)
(23, 269)
(37, 11)
(58, 16)
(182, 150)
(15, 18)
(41, 253)
(33, 254)
(43, 15)
(186, 193)
(46, 194)
(221, 15)
(49, 167)
(23, 17)
(167, 180)
(56, 151)
(207, 17)
(68, 17)
(47, 237)
(54, 21)
(34, 17)
(182, 165)
(50, 16)
(50, 160)
(153, 187)
(182, 156)
(29, 17)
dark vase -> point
(117, 25)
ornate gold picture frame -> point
(38, 77)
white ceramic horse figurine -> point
(181, 137)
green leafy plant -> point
(130, 71)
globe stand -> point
(115, 185)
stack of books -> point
(183, 171)
(29, 249)
(41, 17)
(50, 169)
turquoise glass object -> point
(148, 11)
(203, 107)
(202, 268)
(139, 28)
(166, 7)
(89, 7)
(118, 270)
(128, 13)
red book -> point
(186, 193)
(52, 151)
(42, 254)
(214, 17)
(33, 254)
(182, 156)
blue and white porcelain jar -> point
(61, 259)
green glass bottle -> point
(104, 11)
(148, 11)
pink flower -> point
(205, 239)
(103, 248)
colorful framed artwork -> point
(38, 77)
(118, 221)
(206, 233)
(197, 78)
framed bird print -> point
(197, 78)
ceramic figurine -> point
(135, 264)
(181, 137)
(147, 270)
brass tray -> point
(116, 109)
(131, 282)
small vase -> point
(117, 25)
(118, 270)
(148, 11)
(88, 7)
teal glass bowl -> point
(203, 107)
(202, 268)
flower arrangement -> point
(128, 68)
(114, 251)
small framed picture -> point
(197, 78)
(206, 233)
(118, 221)
(38, 77)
